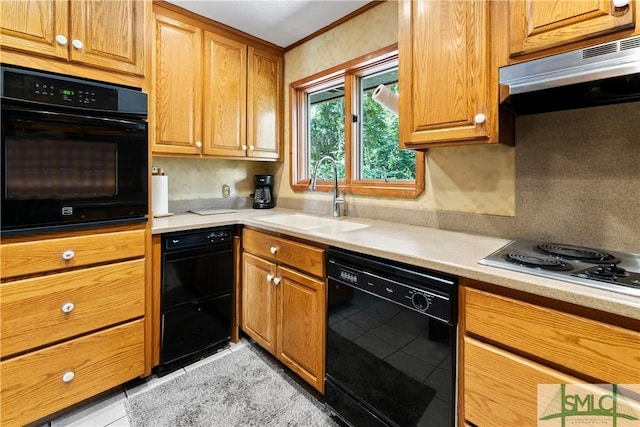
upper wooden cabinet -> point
(177, 87)
(536, 25)
(215, 95)
(105, 34)
(448, 78)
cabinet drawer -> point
(604, 352)
(31, 310)
(33, 386)
(25, 258)
(309, 259)
(501, 389)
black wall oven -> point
(391, 343)
(74, 152)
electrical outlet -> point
(226, 190)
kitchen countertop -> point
(442, 250)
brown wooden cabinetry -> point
(448, 73)
(67, 30)
(284, 301)
(511, 345)
(72, 319)
(536, 26)
(215, 94)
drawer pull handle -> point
(68, 376)
(276, 281)
(269, 277)
(68, 307)
(68, 255)
(273, 250)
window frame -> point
(350, 72)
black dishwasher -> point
(196, 295)
(391, 342)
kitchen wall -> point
(573, 177)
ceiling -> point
(281, 22)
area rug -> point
(244, 388)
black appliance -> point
(196, 295)
(74, 152)
(610, 270)
(391, 343)
(263, 194)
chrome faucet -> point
(337, 201)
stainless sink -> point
(312, 223)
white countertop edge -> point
(447, 251)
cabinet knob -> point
(273, 250)
(199, 144)
(251, 147)
(68, 376)
(269, 277)
(68, 307)
(244, 147)
(276, 281)
(68, 255)
(61, 40)
(620, 3)
(77, 44)
(480, 118)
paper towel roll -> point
(389, 100)
(160, 195)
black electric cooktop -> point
(613, 271)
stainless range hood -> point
(599, 75)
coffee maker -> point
(263, 194)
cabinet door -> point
(32, 26)
(259, 301)
(444, 73)
(225, 96)
(538, 25)
(301, 325)
(111, 33)
(177, 83)
(264, 105)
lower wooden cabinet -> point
(283, 308)
(42, 382)
(72, 318)
(513, 342)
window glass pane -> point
(326, 130)
(380, 156)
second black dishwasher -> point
(196, 295)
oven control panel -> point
(49, 90)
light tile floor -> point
(110, 410)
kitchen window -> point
(334, 113)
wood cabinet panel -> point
(117, 45)
(264, 104)
(500, 389)
(301, 325)
(259, 301)
(32, 26)
(306, 258)
(608, 353)
(31, 309)
(32, 257)
(225, 96)
(449, 93)
(32, 384)
(538, 25)
(177, 87)
(105, 34)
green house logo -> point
(565, 405)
